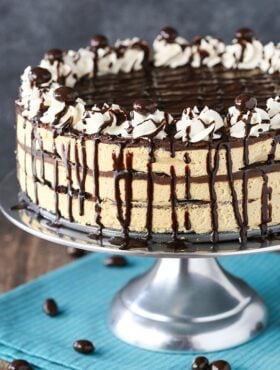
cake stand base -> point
(189, 304)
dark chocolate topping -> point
(168, 33)
(245, 102)
(245, 34)
(39, 76)
(66, 94)
(54, 55)
(145, 106)
(98, 41)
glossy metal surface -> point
(187, 305)
(186, 302)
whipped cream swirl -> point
(171, 50)
(245, 52)
(130, 55)
(195, 126)
(35, 84)
(271, 58)
(105, 119)
(207, 51)
(257, 119)
(148, 121)
(81, 64)
(65, 109)
(273, 109)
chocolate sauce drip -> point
(187, 222)
(67, 164)
(150, 190)
(96, 192)
(34, 137)
(123, 172)
(271, 156)
(212, 172)
(56, 193)
(81, 178)
(266, 210)
(238, 217)
(173, 202)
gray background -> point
(29, 27)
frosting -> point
(64, 110)
(207, 51)
(271, 58)
(171, 50)
(42, 96)
(35, 83)
(148, 121)
(273, 109)
(130, 55)
(258, 120)
(60, 71)
(105, 119)
(195, 126)
(245, 52)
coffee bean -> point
(54, 55)
(116, 261)
(98, 41)
(19, 365)
(66, 94)
(168, 33)
(50, 307)
(145, 106)
(245, 34)
(75, 252)
(220, 365)
(84, 346)
(245, 102)
(39, 76)
(200, 363)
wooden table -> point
(24, 257)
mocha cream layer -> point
(199, 212)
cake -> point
(180, 139)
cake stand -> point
(185, 302)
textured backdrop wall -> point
(29, 27)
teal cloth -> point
(84, 290)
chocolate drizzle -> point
(66, 161)
(173, 202)
(123, 171)
(96, 192)
(81, 177)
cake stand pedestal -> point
(185, 302)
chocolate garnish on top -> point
(39, 76)
(66, 94)
(98, 41)
(245, 34)
(54, 55)
(144, 106)
(245, 102)
(169, 34)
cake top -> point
(132, 91)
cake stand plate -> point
(185, 302)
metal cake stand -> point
(185, 302)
